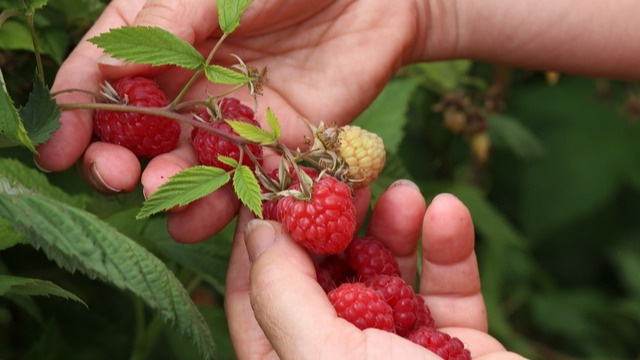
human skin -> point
(326, 60)
(277, 309)
(592, 38)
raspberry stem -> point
(163, 112)
(36, 46)
(305, 181)
(197, 73)
(230, 91)
(70, 90)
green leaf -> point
(33, 287)
(184, 187)
(230, 12)
(24, 6)
(627, 263)
(15, 35)
(149, 45)
(221, 75)
(54, 42)
(228, 161)
(8, 236)
(15, 173)
(33, 5)
(40, 115)
(251, 132)
(247, 188)
(273, 123)
(509, 133)
(10, 124)
(386, 116)
(77, 240)
(207, 259)
(570, 314)
(445, 76)
(217, 320)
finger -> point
(285, 294)
(162, 167)
(79, 71)
(110, 168)
(397, 222)
(362, 200)
(286, 298)
(478, 342)
(246, 335)
(450, 278)
(204, 217)
(192, 22)
(200, 219)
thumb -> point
(192, 21)
(285, 295)
(295, 313)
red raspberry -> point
(208, 146)
(400, 296)
(145, 135)
(233, 109)
(369, 257)
(325, 224)
(270, 209)
(362, 306)
(423, 314)
(445, 346)
(333, 271)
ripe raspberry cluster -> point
(208, 146)
(145, 135)
(151, 135)
(311, 194)
(365, 287)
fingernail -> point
(106, 59)
(259, 237)
(44, 170)
(405, 182)
(99, 182)
(442, 195)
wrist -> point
(438, 32)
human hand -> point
(277, 309)
(326, 61)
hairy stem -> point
(163, 112)
(233, 89)
(72, 90)
(196, 74)
(36, 47)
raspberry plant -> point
(48, 219)
(135, 113)
(504, 141)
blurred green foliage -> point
(556, 209)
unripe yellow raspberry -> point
(480, 147)
(362, 152)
